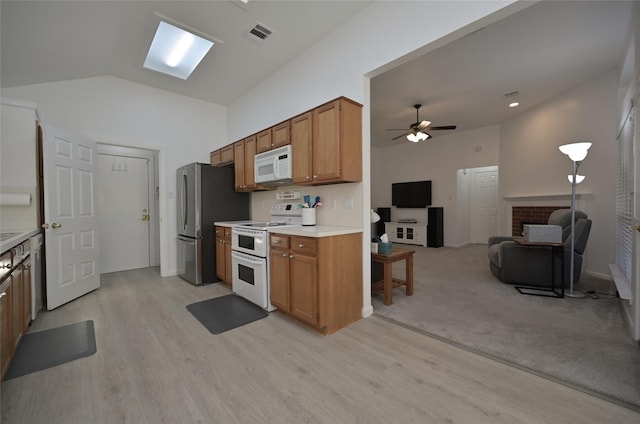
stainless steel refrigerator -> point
(204, 194)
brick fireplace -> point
(521, 215)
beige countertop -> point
(315, 230)
(21, 235)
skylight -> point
(176, 52)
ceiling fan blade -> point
(401, 135)
(443, 127)
(396, 129)
(422, 125)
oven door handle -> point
(247, 258)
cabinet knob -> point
(301, 245)
(292, 256)
(3, 294)
(276, 241)
(284, 255)
(315, 177)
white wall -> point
(337, 66)
(115, 111)
(438, 160)
(532, 165)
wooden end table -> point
(388, 283)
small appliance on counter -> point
(204, 194)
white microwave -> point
(274, 166)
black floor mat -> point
(224, 313)
(44, 349)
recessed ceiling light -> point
(514, 104)
(176, 52)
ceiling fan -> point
(416, 130)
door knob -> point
(55, 225)
(634, 227)
(45, 226)
(145, 217)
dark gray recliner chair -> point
(531, 265)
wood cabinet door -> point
(6, 342)
(220, 257)
(238, 153)
(228, 266)
(280, 281)
(263, 141)
(304, 288)
(16, 307)
(281, 134)
(301, 148)
(215, 158)
(26, 294)
(326, 142)
(250, 146)
(227, 154)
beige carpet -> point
(582, 342)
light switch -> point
(348, 202)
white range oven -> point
(250, 254)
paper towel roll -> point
(15, 199)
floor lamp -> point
(576, 152)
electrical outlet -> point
(334, 204)
(348, 202)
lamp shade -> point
(579, 178)
(374, 217)
(576, 151)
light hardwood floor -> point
(157, 364)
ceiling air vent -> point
(259, 33)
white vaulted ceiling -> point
(45, 41)
(541, 51)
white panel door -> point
(485, 206)
(71, 240)
(123, 201)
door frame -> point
(152, 157)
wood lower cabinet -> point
(6, 341)
(223, 254)
(15, 302)
(317, 280)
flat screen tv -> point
(415, 194)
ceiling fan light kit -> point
(416, 133)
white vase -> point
(308, 216)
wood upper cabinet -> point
(337, 142)
(276, 136)
(223, 254)
(238, 152)
(301, 148)
(314, 281)
(263, 141)
(327, 144)
(215, 158)
(250, 146)
(222, 157)
(281, 134)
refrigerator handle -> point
(183, 201)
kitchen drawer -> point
(304, 245)
(279, 242)
(6, 264)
